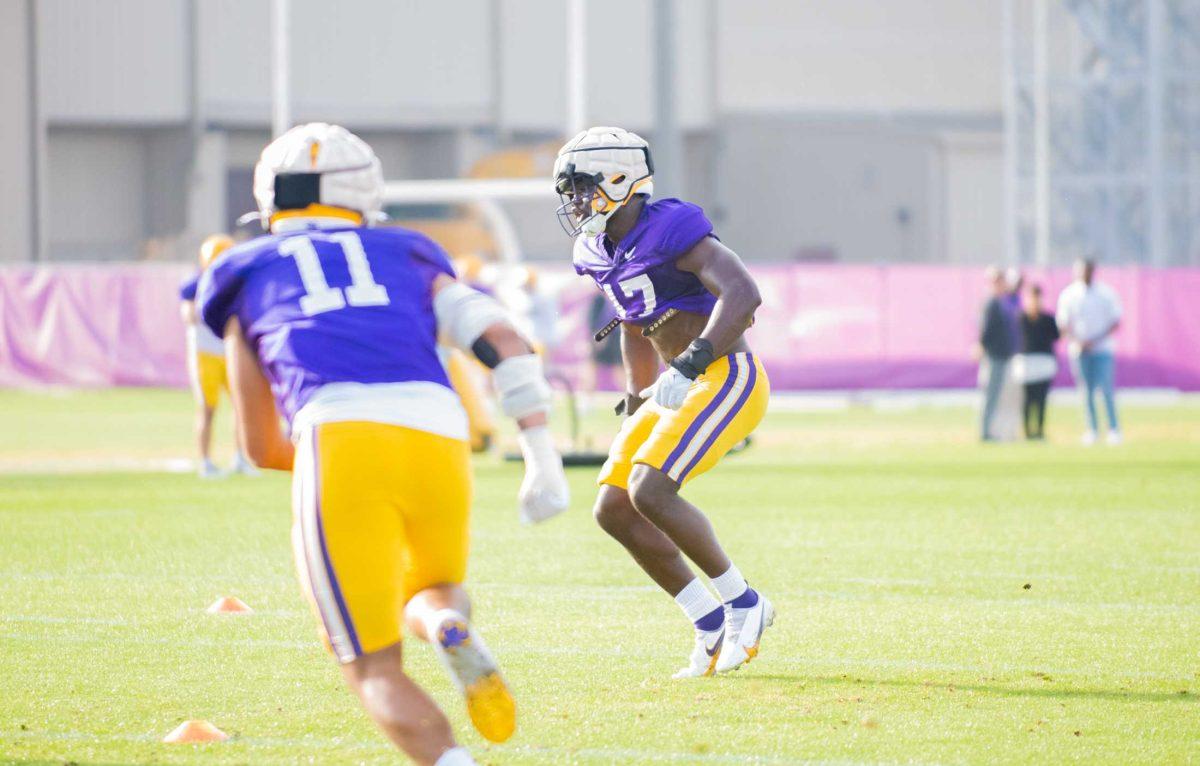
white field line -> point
(795, 663)
(575, 592)
(585, 589)
(615, 755)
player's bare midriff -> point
(673, 336)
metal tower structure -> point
(1102, 123)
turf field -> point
(939, 601)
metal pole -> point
(1011, 219)
(40, 248)
(576, 67)
(668, 143)
(1157, 203)
(1041, 129)
(281, 96)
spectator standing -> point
(1006, 420)
(1089, 312)
(1036, 366)
(995, 350)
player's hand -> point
(544, 492)
(669, 390)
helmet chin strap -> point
(596, 223)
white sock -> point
(695, 600)
(730, 585)
(433, 622)
(455, 756)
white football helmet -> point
(597, 172)
(315, 167)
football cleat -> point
(470, 665)
(208, 470)
(744, 629)
(705, 652)
(243, 466)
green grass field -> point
(939, 601)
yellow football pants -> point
(381, 512)
(723, 406)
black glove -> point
(629, 404)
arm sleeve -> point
(187, 291)
(689, 225)
(1114, 302)
(218, 293)
(429, 258)
(1063, 314)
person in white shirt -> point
(1089, 312)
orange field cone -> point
(196, 731)
(229, 605)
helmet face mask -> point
(582, 201)
(596, 173)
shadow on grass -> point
(1049, 691)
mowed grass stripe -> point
(896, 548)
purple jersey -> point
(351, 305)
(638, 274)
(187, 290)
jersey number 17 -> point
(319, 297)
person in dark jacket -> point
(1037, 364)
(995, 350)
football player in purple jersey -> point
(334, 324)
(683, 299)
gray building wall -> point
(17, 148)
(144, 139)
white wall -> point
(425, 81)
(362, 62)
(16, 138)
(873, 55)
(620, 52)
(791, 189)
(116, 61)
(97, 194)
(973, 188)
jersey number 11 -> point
(319, 296)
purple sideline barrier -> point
(820, 326)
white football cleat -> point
(705, 652)
(1114, 438)
(470, 665)
(1088, 438)
(208, 470)
(243, 466)
(743, 632)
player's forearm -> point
(731, 317)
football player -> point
(683, 298)
(206, 364)
(334, 324)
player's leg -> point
(463, 380)
(240, 463)
(652, 549)
(722, 408)
(647, 544)
(1105, 381)
(1041, 391)
(205, 390)
(435, 511)
(349, 543)
(203, 424)
(1087, 388)
(405, 713)
(1027, 410)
